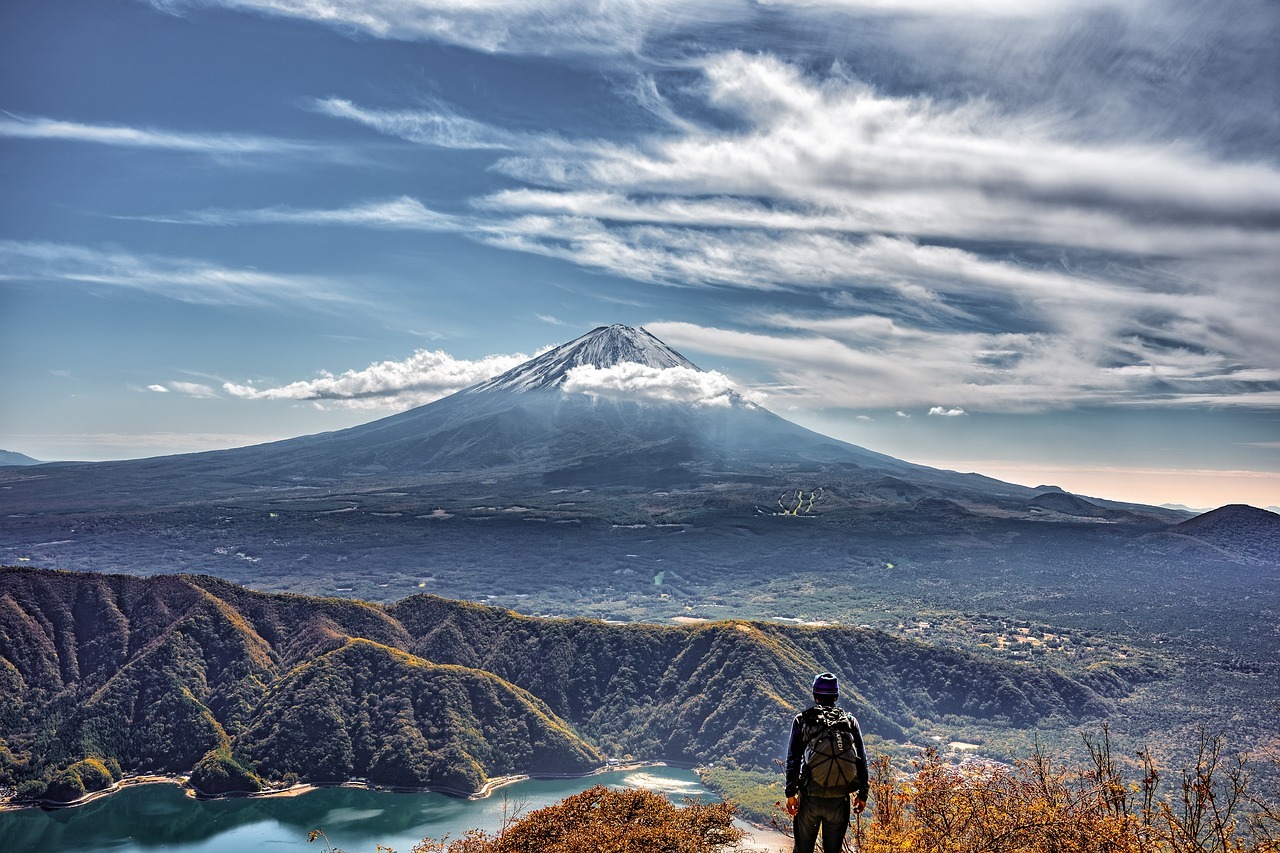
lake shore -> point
(184, 782)
(116, 787)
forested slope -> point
(175, 672)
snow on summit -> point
(622, 363)
(601, 348)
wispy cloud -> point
(402, 213)
(439, 127)
(222, 144)
(1162, 253)
(983, 372)
(836, 154)
(183, 279)
(193, 389)
(942, 412)
(587, 27)
(495, 26)
(996, 255)
(425, 376)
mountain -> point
(1247, 532)
(524, 428)
(10, 457)
(171, 672)
(1068, 504)
(611, 477)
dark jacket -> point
(796, 775)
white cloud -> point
(425, 376)
(902, 414)
(819, 362)
(632, 381)
(437, 127)
(837, 154)
(184, 279)
(159, 389)
(1167, 255)
(402, 213)
(963, 250)
(946, 413)
(38, 127)
(192, 389)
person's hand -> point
(858, 804)
(793, 805)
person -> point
(811, 805)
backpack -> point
(830, 764)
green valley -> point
(110, 674)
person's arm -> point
(860, 795)
(795, 751)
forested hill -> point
(175, 672)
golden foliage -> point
(1037, 807)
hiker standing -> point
(826, 762)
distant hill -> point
(10, 457)
(162, 673)
(1248, 532)
(1068, 504)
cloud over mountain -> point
(631, 381)
(424, 376)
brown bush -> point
(607, 821)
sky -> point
(1038, 240)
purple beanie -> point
(826, 685)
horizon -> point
(1035, 242)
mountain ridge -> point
(12, 457)
(437, 693)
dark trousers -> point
(829, 813)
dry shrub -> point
(1037, 807)
(608, 821)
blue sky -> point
(1037, 240)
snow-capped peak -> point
(604, 347)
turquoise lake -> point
(160, 817)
